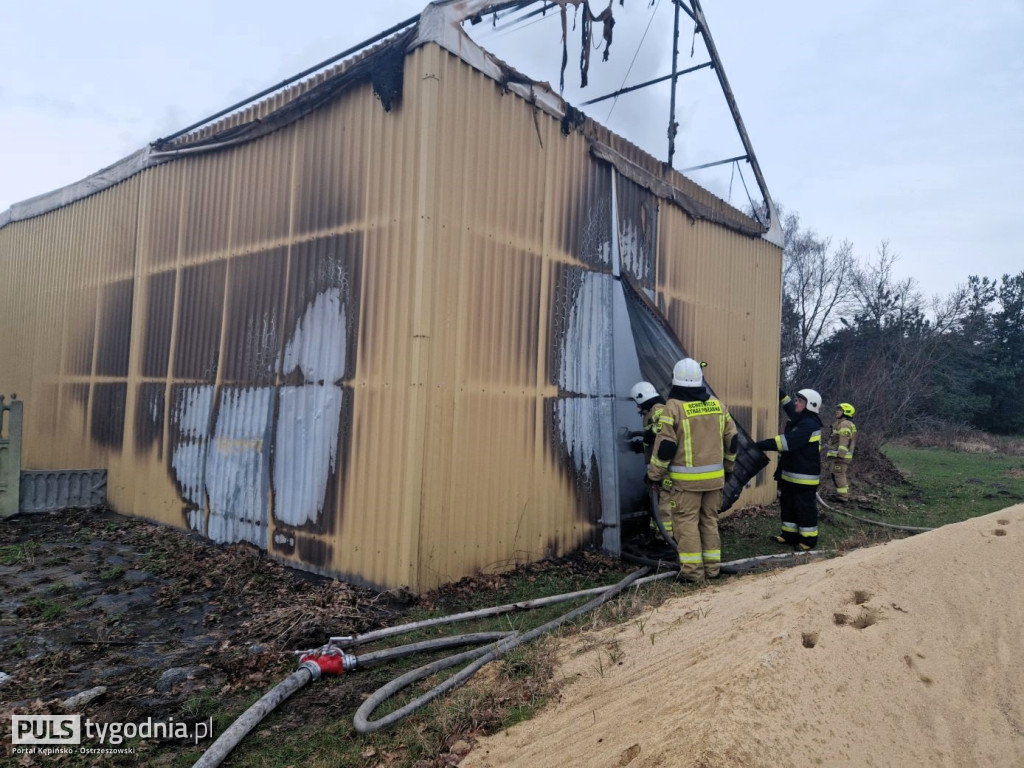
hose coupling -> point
(330, 660)
(313, 668)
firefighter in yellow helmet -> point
(694, 450)
(840, 449)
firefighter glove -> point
(768, 444)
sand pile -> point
(906, 654)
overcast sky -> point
(899, 121)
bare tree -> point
(884, 359)
(816, 281)
(878, 298)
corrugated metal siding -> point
(720, 292)
(144, 481)
(378, 529)
(495, 492)
(369, 342)
(69, 286)
(50, 491)
(638, 230)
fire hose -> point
(656, 514)
(911, 528)
(333, 659)
(744, 565)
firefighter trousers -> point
(665, 511)
(695, 529)
(799, 514)
(840, 476)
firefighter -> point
(840, 450)
(799, 470)
(694, 451)
(650, 404)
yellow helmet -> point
(847, 409)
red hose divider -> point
(330, 664)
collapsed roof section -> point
(379, 61)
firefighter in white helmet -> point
(650, 404)
(799, 470)
(694, 450)
(840, 450)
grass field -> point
(946, 487)
(940, 486)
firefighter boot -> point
(789, 536)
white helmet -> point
(642, 391)
(813, 399)
(687, 373)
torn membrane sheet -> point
(659, 349)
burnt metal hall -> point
(379, 321)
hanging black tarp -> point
(659, 349)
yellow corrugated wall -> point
(509, 186)
(68, 292)
(720, 291)
(172, 329)
(492, 495)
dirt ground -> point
(909, 653)
(155, 617)
(156, 622)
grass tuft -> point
(15, 554)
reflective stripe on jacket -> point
(650, 418)
(702, 431)
(800, 449)
(843, 439)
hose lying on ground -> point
(911, 528)
(401, 629)
(486, 654)
(333, 660)
(738, 566)
(783, 558)
(228, 740)
(311, 670)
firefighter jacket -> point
(694, 445)
(800, 449)
(650, 421)
(843, 439)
